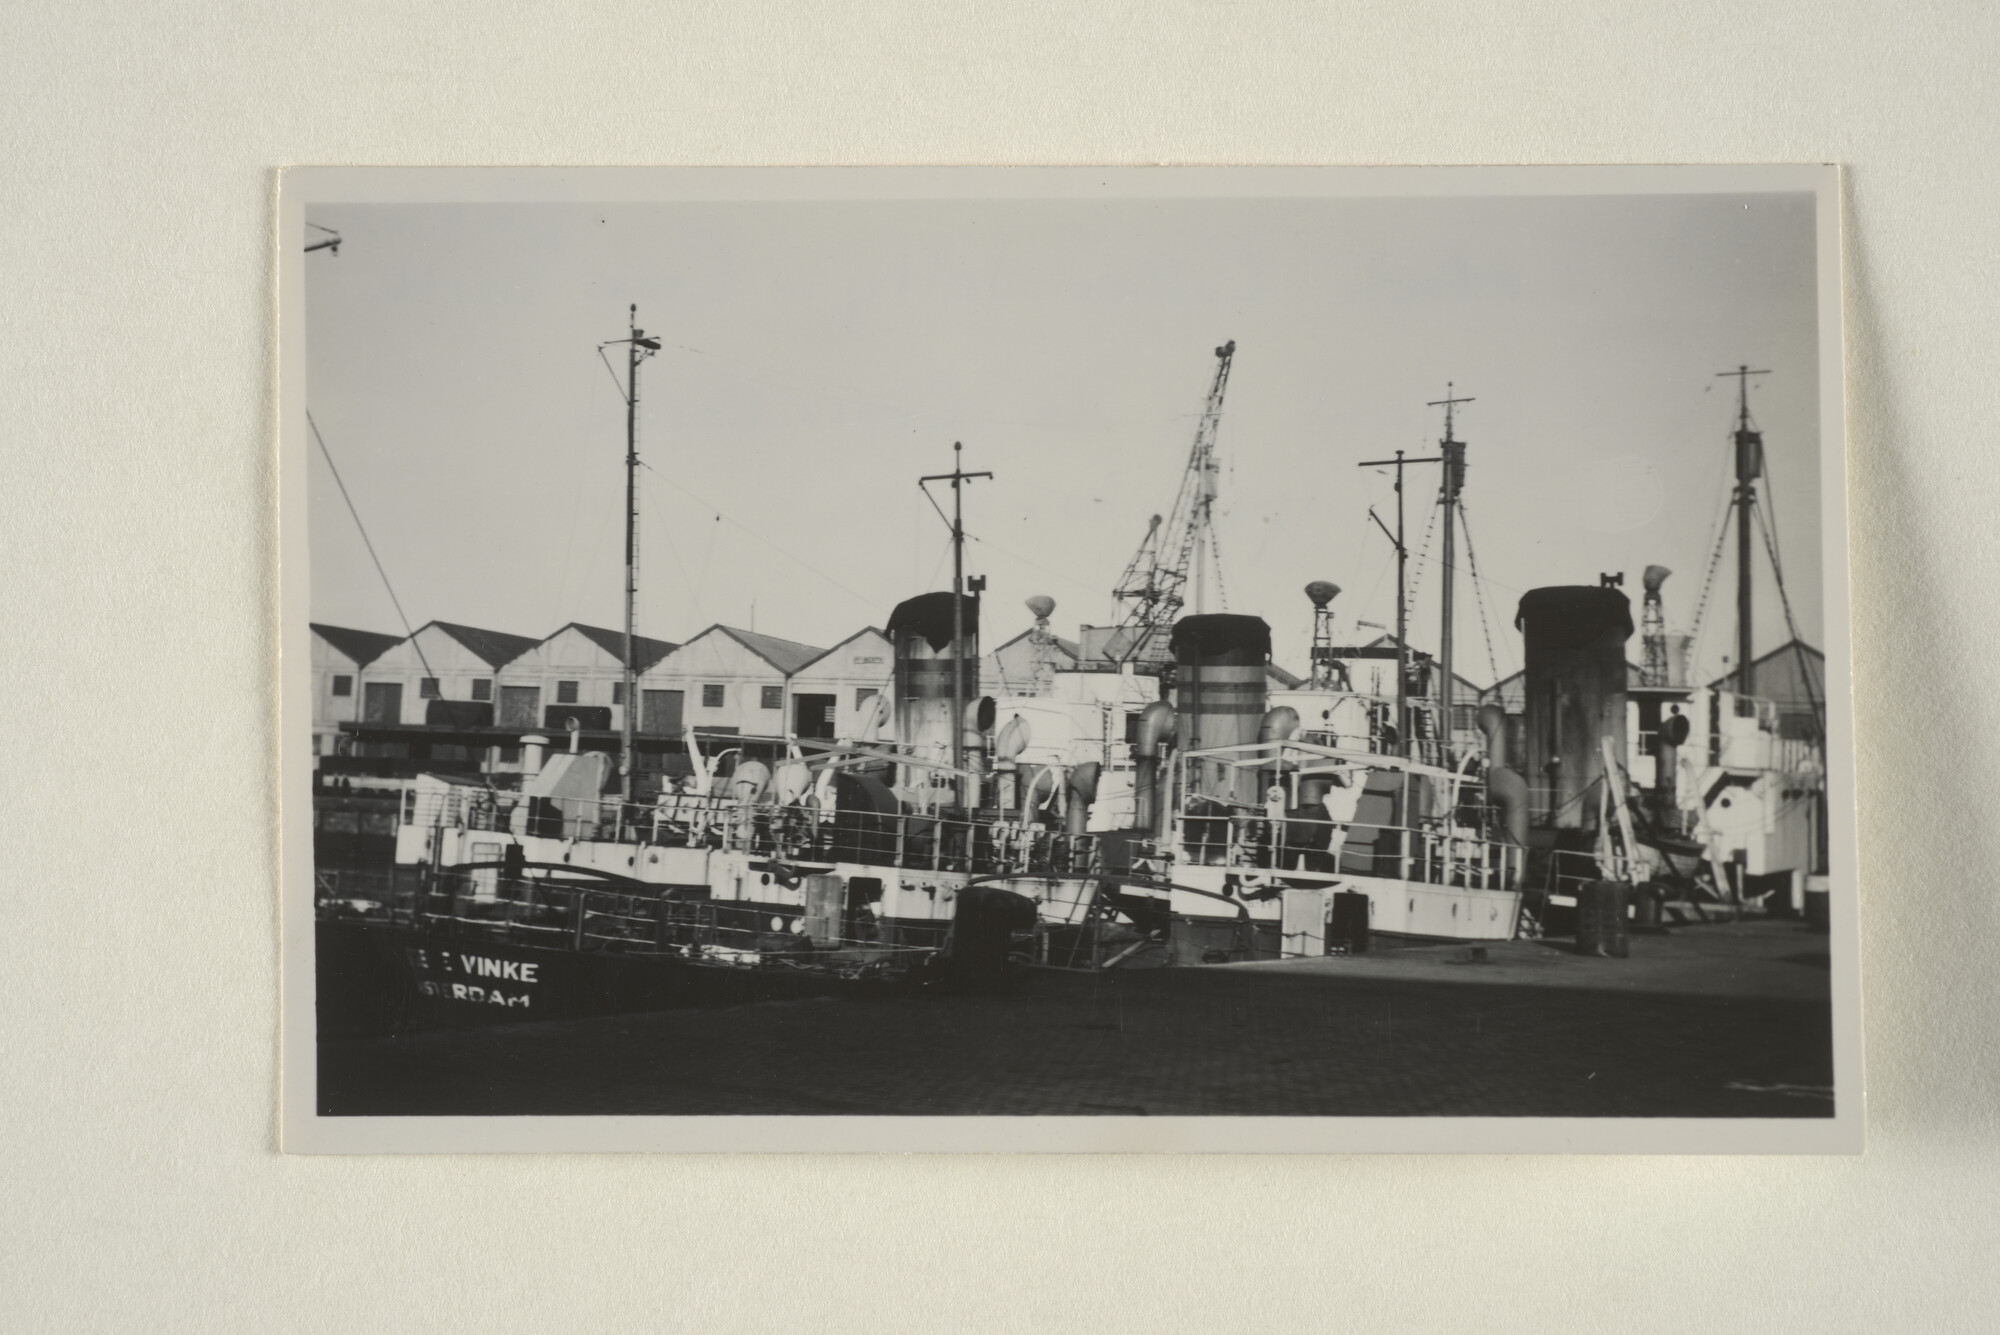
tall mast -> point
(1452, 451)
(958, 477)
(1749, 467)
(638, 348)
(625, 756)
(957, 609)
(1402, 600)
(1402, 591)
(1402, 621)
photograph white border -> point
(304, 1131)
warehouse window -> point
(617, 692)
(428, 688)
(482, 689)
(565, 692)
(343, 685)
(773, 697)
(711, 696)
(865, 696)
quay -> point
(1726, 1019)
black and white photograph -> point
(1227, 658)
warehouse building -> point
(837, 694)
(338, 657)
(576, 674)
(723, 681)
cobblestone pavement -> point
(1723, 1021)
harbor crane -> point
(1153, 589)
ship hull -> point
(377, 978)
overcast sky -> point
(819, 356)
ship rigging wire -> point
(680, 566)
(724, 515)
(1767, 514)
(623, 397)
(1716, 546)
(1769, 532)
(970, 536)
(915, 414)
(569, 550)
(1478, 590)
(370, 545)
(1422, 556)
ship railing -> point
(618, 919)
(1432, 853)
(979, 843)
(1356, 742)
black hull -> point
(378, 978)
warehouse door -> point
(660, 712)
(519, 706)
(382, 702)
(812, 716)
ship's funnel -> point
(1220, 690)
(1574, 644)
(920, 629)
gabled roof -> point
(788, 656)
(827, 653)
(646, 650)
(1814, 657)
(1070, 647)
(363, 646)
(495, 646)
(1789, 646)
